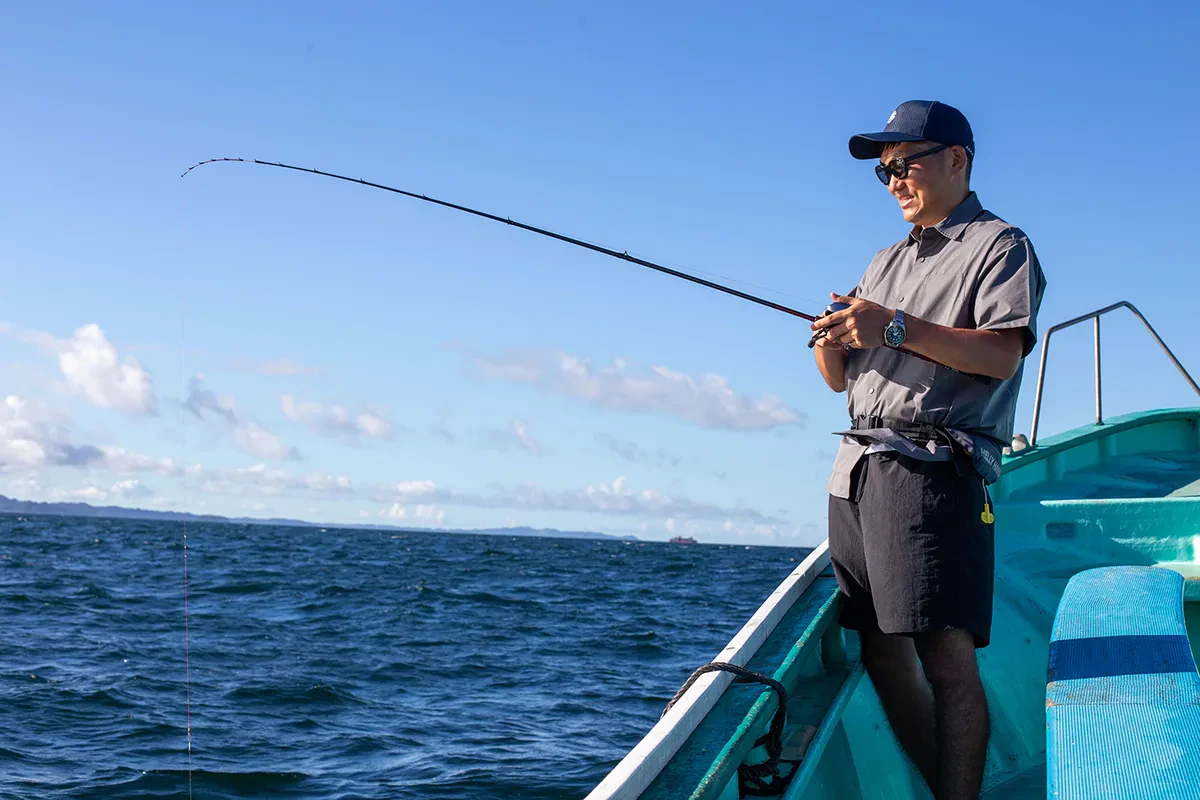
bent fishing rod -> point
(623, 255)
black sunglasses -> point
(898, 166)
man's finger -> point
(835, 333)
(831, 319)
(837, 298)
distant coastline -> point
(12, 506)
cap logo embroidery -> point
(892, 117)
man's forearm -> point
(831, 361)
(996, 354)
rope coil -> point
(755, 775)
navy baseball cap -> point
(917, 121)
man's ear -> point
(958, 158)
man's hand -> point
(861, 325)
(825, 341)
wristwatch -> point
(894, 333)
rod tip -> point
(207, 161)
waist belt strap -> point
(918, 431)
(922, 433)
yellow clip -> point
(987, 516)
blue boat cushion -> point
(1122, 692)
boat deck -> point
(1030, 783)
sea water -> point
(345, 663)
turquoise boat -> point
(1091, 676)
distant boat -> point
(1092, 687)
(682, 540)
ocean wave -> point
(336, 666)
(249, 587)
(301, 693)
(136, 784)
(488, 598)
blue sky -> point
(249, 341)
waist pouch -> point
(979, 452)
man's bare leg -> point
(891, 661)
(948, 658)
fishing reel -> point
(831, 308)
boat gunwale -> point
(1085, 434)
(757, 717)
(643, 763)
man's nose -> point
(895, 184)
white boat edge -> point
(641, 765)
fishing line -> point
(187, 665)
(187, 657)
(187, 660)
(623, 255)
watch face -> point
(893, 334)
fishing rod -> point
(623, 255)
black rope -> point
(753, 774)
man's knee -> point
(948, 658)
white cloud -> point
(426, 513)
(130, 489)
(336, 420)
(261, 480)
(259, 442)
(31, 437)
(201, 402)
(88, 493)
(705, 400)
(249, 436)
(123, 462)
(603, 498)
(519, 366)
(409, 489)
(633, 452)
(517, 435)
(92, 367)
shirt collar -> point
(956, 221)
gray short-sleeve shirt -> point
(971, 270)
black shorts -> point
(910, 549)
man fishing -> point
(910, 524)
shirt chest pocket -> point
(936, 290)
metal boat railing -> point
(1095, 317)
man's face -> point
(929, 187)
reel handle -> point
(831, 308)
